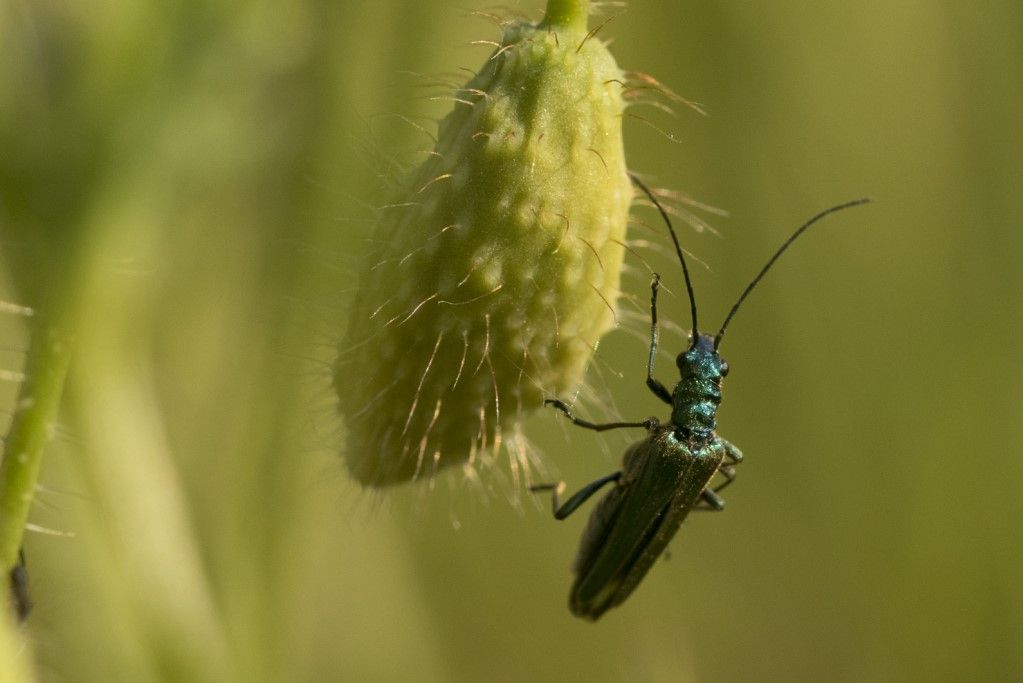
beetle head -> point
(701, 359)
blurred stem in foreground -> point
(15, 657)
(31, 427)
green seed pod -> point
(495, 274)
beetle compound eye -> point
(496, 269)
(723, 369)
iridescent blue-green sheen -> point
(696, 397)
(663, 477)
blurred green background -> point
(196, 180)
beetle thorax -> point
(696, 397)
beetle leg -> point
(711, 501)
(649, 423)
(654, 385)
(727, 471)
(561, 511)
(731, 452)
(709, 498)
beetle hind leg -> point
(710, 501)
(709, 498)
(561, 511)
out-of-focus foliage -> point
(196, 179)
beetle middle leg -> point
(561, 511)
(648, 424)
(709, 498)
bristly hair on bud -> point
(495, 271)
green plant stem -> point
(15, 653)
(571, 14)
(34, 416)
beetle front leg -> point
(656, 387)
(577, 499)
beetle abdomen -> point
(632, 524)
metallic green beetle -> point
(669, 472)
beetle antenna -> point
(679, 252)
(775, 257)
